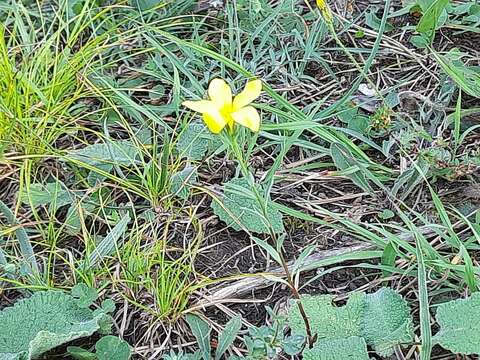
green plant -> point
(239, 207)
(381, 319)
(49, 319)
(458, 320)
(43, 77)
(107, 348)
(201, 330)
(266, 341)
(154, 267)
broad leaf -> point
(201, 331)
(54, 194)
(466, 77)
(239, 205)
(195, 141)
(181, 180)
(352, 348)
(112, 348)
(105, 156)
(84, 295)
(228, 335)
(386, 321)
(42, 322)
(328, 321)
(459, 322)
(108, 245)
(428, 22)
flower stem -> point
(246, 173)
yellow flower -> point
(325, 10)
(224, 110)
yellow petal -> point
(248, 117)
(250, 93)
(214, 121)
(201, 106)
(220, 93)
(211, 114)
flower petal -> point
(220, 93)
(250, 93)
(214, 121)
(201, 106)
(211, 114)
(248, 117)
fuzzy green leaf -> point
(201, 331)
(352, 348)
(105, 155)
(84, 295)
(239, 201)
(328, 321)
(54, 194)
(381, 319)
(112, 348)
(195, 141)
(386, 321)
(459, 322)
(42, 322)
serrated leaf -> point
(326, 320)
(227, 337)
(239, 200)
(459, 322)
(386, 321)
(201, 331)
(352, 348)
(112, 348)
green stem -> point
(246, 173)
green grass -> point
(97, 187)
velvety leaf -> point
(195, 141)
(181, 180)
(201, 331)
(48, 319)
(112, 348)
(459, 322)
(84, 295)
(328, 321)
(386, 321)
(240, 201)
(352, 348)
